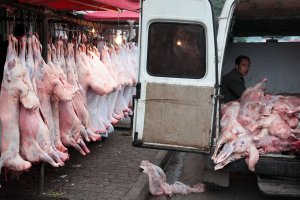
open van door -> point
(174, 105)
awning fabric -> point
(112, 16)
(76, 5)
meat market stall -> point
(66, 80)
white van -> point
(182, 60)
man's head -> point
(242, 64)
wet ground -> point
(187, 168)
(108, 172)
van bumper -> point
(286, 166)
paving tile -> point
(108, 172)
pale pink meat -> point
(86, 76)
(56, 63)
(233, 157)
(291, 100)
(35, 138)
(56, 67)
(280, 128)
(82, 114)
(89, 82)
(14, 89)
(114, 95)
(107, 81)
(70, 126)
(253, 94)
(57, 70)
(69, 123)
(251, 106)
(238, 148)
(269, 102)
(125, 57)
(276, 126)
(249, 114)
(30, 63)
(231, 128)
(270, 122)
(49, 84)
(273, 144)
(284, 107)
(78, 100)
(124, 79)
(61, 56)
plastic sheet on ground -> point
(159, 186)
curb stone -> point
(140, 188)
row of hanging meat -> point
(70, 100)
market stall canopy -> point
(112, 16)
(75, 5)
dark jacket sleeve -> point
(234, 86)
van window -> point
(176, 50)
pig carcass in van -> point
(257, 123)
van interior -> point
(269, 33)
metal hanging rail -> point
(93, 6)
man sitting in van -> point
(233, 83)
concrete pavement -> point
(110, 171)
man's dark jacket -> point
(233, 86)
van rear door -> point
(174, 105)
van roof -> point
(268, 8)
(266, 17)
